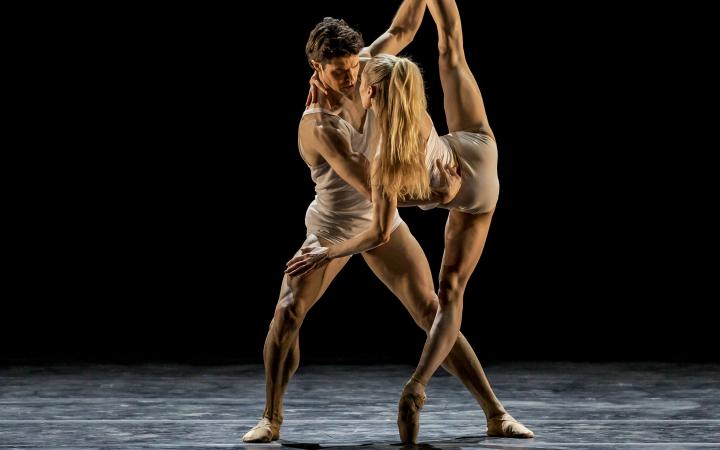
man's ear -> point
(315, 65)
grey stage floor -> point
(567, 405)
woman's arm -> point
(379, 233)
(384, 208)
(443, 193)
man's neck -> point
(336, 101)
(349, 107)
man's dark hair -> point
(332, 38)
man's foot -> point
(412, 400)
(505, 425)
(264, 431)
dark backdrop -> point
(163, 191)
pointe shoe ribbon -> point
(507, 426)
(264, 431)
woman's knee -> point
(452, 288)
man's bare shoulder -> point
(319, 125)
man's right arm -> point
(401, 32)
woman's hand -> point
(451, 183)
(315, 86)
(310, 259)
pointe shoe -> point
(409, 416)
(264, 431)
(506, 426)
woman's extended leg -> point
(464, 106)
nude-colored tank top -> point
(339, 212)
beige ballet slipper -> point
(264, 431)
(506, 426)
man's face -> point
(340, 73)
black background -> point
(160, 191)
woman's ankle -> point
(414, 385)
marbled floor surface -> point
(567, 405)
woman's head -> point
(387, 74)
(332, 50)
(393, 87)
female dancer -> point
(404, 167)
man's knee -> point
(289, 315)
(426, 316)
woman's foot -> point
(264, 431)
(505, 425)
(412, 400)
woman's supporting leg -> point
(402, 266)
(465, 236)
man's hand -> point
(310, 259)
(451, 182)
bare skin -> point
(402, 266)
(465, 234)
(281, 352)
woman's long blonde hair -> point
(400, 105)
